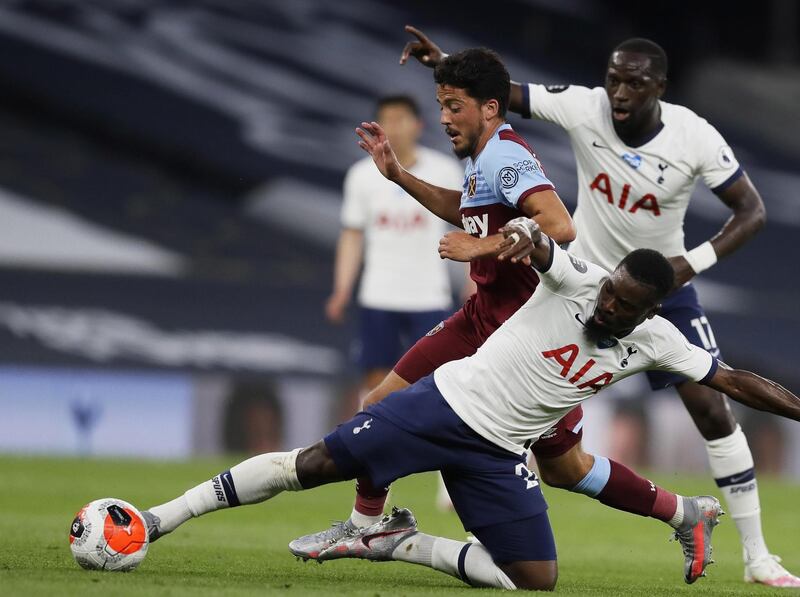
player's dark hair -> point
(649, 48)
(480, 72)
(398, 99)
(650, 267)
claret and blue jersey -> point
(496, 184)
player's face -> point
(402, 126)
(622, 304)
(633, 91)
(462, 118)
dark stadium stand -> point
(229, 119)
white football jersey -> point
(402, 267)
(632, 197)
(540, 364)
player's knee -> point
(533, 576)
(315, 466)
(566, 471)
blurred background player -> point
(405, 288)
(638, 159)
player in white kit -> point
(474, 418)
(405, 287)
(638, 159)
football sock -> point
(677, 518)
(370, 501)
(470, 562)
(249, 482)
(732, 467)
(617, 486)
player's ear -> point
(490, 109)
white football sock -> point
(250, 482)
(732, 467)
(363, 520)
(476, 565)
(677, 518)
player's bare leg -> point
(391, 382)
(617, 486)
(732, 467)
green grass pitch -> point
(243, 551)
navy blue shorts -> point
(415, 430)
(384, 336)
(683, 309)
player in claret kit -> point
(474, 418)
(638, 158)
(503, 180)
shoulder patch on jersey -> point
(509, 177)
(725, 157)
(556, 88)
(579, 265)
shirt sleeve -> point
(565, 274)
(564, 105)
(674, 353)
(716, 163)
(355, 205)
(513, 172)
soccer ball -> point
(108, 534)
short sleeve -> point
(565, 274)
(354, 207)
(564, 105)
(674, 353)
(512, 171)
(716, 163)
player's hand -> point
(683, 271)
(523, 234)
(424, 50)
(335, 308)
(458, 246)
(372, 139)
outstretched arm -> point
(442, 202)
(749, 216)
(756, 392)
(429, 54)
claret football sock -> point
(369, 504)
(732, 467)
(617, 486)
(252, 481)
(470, 562)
